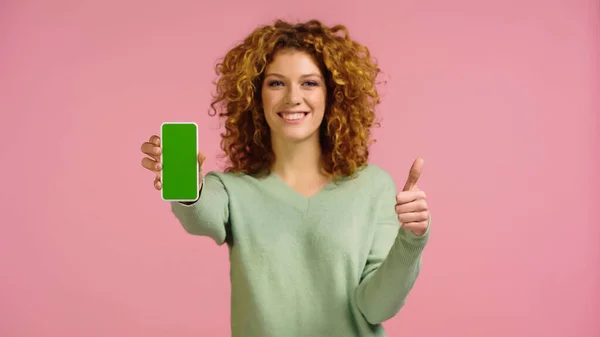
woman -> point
(320, 243)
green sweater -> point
(334, 264)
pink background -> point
(501, 98)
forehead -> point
(292, 63)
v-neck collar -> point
(297, 200)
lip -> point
(294, 121)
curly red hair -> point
(350, 77)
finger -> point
(416, 227)
(155, 140)
(413, 206)
(151, 150)
(413, 217)
(151, 164)
(157, 182)
(414, 174)
(410, 196)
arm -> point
(209, 215)
(393, 264)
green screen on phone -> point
(179, 142)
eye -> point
(311, 83)
(275, 83)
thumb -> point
(414, 174)
(201, 159)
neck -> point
(299, 160)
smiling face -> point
(293, 97)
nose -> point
(294, 96)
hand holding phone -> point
(175, 160)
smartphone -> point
(180, 168)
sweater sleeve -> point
(209, 215)
(393, 263)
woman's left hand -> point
(411, 203)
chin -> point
(298, 136)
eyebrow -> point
(303, 76)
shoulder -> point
(375, 176)
(229, 177)
(372, 181)
(234, 180)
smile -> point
(293, 116)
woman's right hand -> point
(152, 150)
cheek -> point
(268, 105)
(318, 102)
(270, 101)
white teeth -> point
(293, 116)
